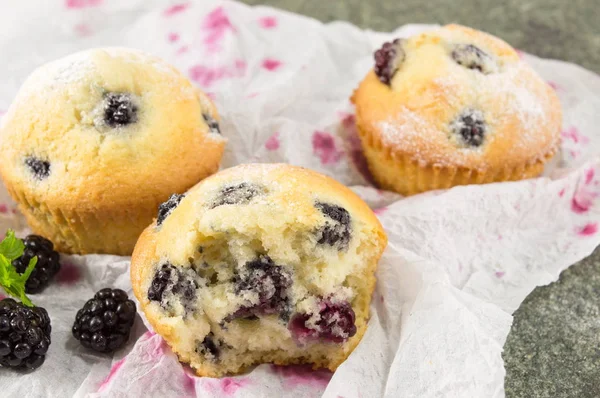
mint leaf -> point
(10, 280)
(11, 247)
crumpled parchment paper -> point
(459, 262)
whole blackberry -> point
(24, 335)
(104, 322)
(48, 263)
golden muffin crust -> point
(114, 132)
(251, 264)
(413, 129)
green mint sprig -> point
(11, 281)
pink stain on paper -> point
(206, 76)
(216, 25)
(113, 371)
(325, 148)
(2, 296)
(589, 176)
(499, 274)
(227, 386)
(182, 50)
(3, 209)
(75, 4)
(573, 134)
(553, 85)
(294, 376)
(69, 273)
(380, 211)
(83, 30)
(189, 383)
(273, 143)
(561, 193)
(271, 64)
(173, 37)
(268, 22)
(588, 229)
(354, 146)
(175, 9)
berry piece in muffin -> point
(252, 267)
(388, 59)
(119, 110)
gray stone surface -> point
(561, 29)
(553, 349)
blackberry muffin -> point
(454, 106)
(259, 264)
(94, 142)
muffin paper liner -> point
(459, 261)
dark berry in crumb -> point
(388, 60)
(39, 168)
(208, 348)
(178, 281)
(335, 323)
(167, 207)
(472, 57)
(119, 110)
(48, 263)
(268, 281)
(337, 231)
(105, 321)
(470, 127)
(213, 125)
(24, 335)
(238, 194)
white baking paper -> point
(459, 262)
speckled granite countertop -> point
(553, 349)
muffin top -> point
(455, 96)
(108, 125)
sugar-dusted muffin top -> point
(259, 263)
(107, 127)
(455, 96)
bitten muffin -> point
(94, 142)
(259, 263)
(454, 106)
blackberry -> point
(338, 232)
(24, 335)
(39, 168)
(334, 322)
(167, 207)
(470, 127)
(242, 193)
(213, 125)
(48, 263)
(472, 57)
(388, 60)
(104, 322)
(119, 109)
(269, 282)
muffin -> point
(454, 106)
(94, 142)
(256, 264)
